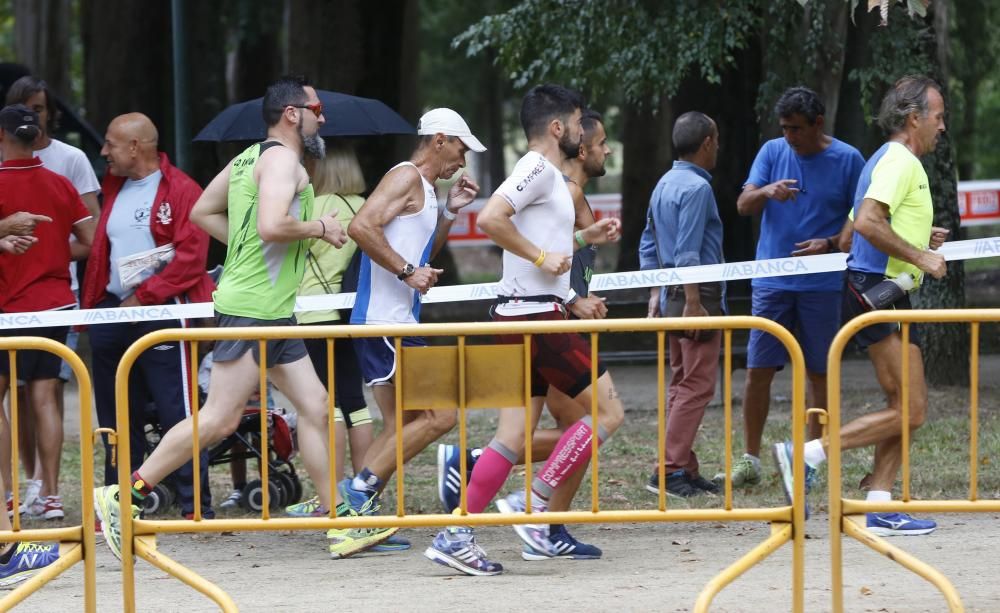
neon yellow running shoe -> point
(108, 511)
(345, 542)
(306, 508)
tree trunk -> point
(945, 347)
(827, 77)
(258, 56)
(41, 40)
(127, 62)
(495, 90)
(645, 157)
(206, 83)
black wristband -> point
(830, 246)
(324, 228)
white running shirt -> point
(382, 298)
(543, 214)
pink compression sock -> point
(571, 452)
(488, 476)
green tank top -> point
(260, 279)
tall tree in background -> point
(361, 48)
(642, 50)
(206, 81)
(975, 51)
(648, 50)
(127, 62)
(42, 42)
(256, 46)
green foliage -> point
(987, 154)
(895, 51)
(913, 7)
(643, 49)
(805, 29)
(7, 31)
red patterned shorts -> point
(559, 360)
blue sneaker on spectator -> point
(566, 547)
(783, 457)
(26, 560)
(898, 524)
(457, 548)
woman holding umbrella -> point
(338, 183)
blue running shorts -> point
(813, 317)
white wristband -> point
(448, 214)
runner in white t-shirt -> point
(531, 216)
(73, 164)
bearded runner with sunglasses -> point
(260, 206)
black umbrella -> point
(345, 115)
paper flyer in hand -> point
(138, 267)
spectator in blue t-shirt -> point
(803, 186)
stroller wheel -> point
(158, 500)
(253, 496)
(285, 486)
(296, 491)
(287, 471)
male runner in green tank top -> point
(259, 206)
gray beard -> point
(313, 146)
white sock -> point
(878, 496)
(753, 460)
(814, 454)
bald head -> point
(135, 126)
(130, 146)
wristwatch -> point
(406, 272)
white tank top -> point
(382, 298)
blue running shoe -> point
(449, 477)
(783, 457)
(26, 561)
(393, 543)
(568, 548)
(456, 548)
(898, 524)
(358, 500)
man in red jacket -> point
(147, 203)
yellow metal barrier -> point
(846, 515)
(470, 377)
(76, 543)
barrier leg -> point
(780, 534)
(145, 548)
(928, 572)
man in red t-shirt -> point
(37, 281)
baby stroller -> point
(244, 443)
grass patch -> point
(940, 459)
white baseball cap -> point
(448, 122)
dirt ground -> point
(645, 567)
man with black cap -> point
(41, 281)
(400, 230)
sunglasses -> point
(317, 108)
